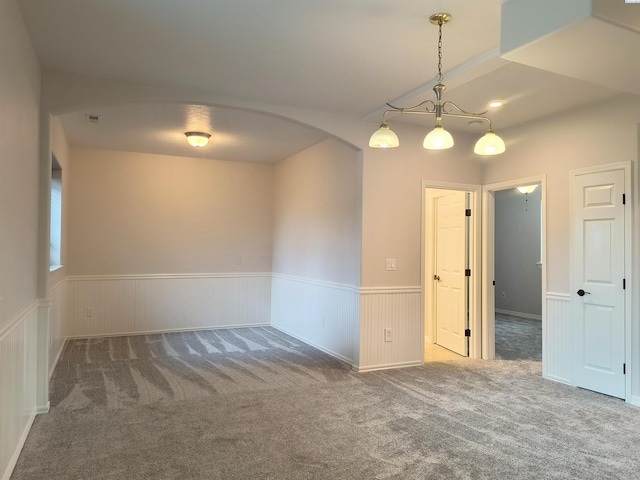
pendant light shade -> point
(198, 139)
(438, 139)
(489, 144)
(384, 137)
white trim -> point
(626, 167)
(562, 296)
(168, 330)
(391, 290)
(635, 400)
(342, 358)
(16, 454)
(167, 276)
(55, 360)
(488, 259)
(554, 378)
(530, 316)
(388, 366)
(17, 319)
(321, 283)
(475, 284)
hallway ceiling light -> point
(198, 139)
(438, 138)
(527, 189)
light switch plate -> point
(390, 264)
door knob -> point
(436, 277)
(582, 293)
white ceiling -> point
(341, 56)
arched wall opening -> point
(158, 242)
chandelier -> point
(438, 138)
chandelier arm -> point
(429, 103)
(479, 114)
(473, 116)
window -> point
(55, 225)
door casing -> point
(628, 266)
(488, 261)
(427, 318)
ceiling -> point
(346, 57)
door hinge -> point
(467, 212)
(624, 199)
(467, 333)
(467, 272)
(624, 283)
(624, 368)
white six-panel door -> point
(451, 284)
(598, 275)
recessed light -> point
(496, 103)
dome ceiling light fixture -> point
(527, 189)
(438, 138)
(198, 139)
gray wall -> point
(518, 276)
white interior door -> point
(598, 264)
(450, 265)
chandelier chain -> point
(439, 52)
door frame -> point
(488, 261)
(427, 323)
(628, 264)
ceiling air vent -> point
(92, 118)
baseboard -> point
(342, 358)
(389, 366)
(635, 401)
(16, 454)
(529, 316)
(167, 330)
(558, 379)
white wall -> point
(144, 228)
(597, 134)
(391, 228)
(392, 201)
(19, 114)
(316, 247)
(133, 213)
(19, 127)
(316, 222)
(517, 253)
(57, 288)
(601, 133)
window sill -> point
(53, 268)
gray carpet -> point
(518, 338)
(257, 404)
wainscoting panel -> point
(138, 304)
(321, 314)
(557, 352)
(400, 310)
(57, 322)
(18, 371)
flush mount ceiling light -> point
(438, 138)
(527, 189)
(197, 139)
